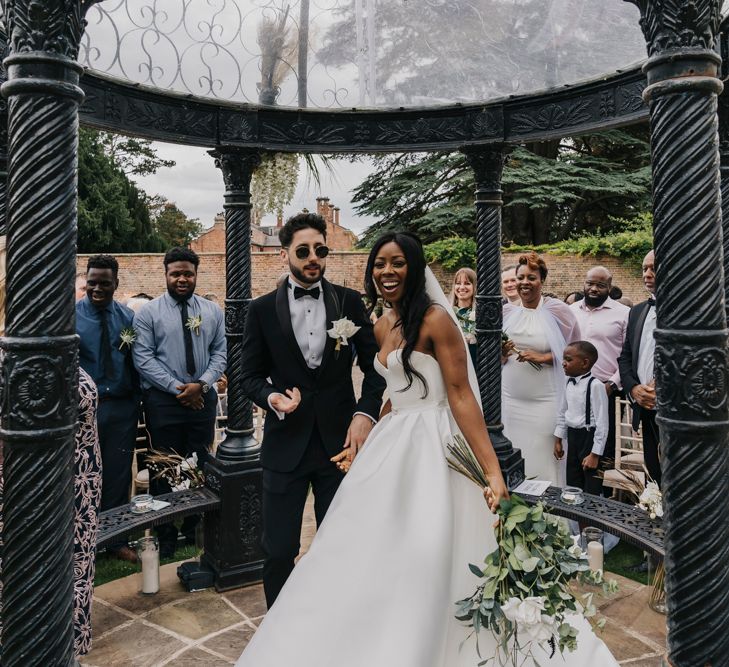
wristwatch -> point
(614, 387)
(204, 386)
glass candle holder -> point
(593, 544)
(141, 503)
(657, 581)
(148, 555)
(572, 495)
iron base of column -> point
(233, 534)
(510, 460)
(238, 446)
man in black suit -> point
(303, 377)
(636, 369)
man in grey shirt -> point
(180, 353)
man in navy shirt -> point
(105, 350)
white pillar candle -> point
(595, 553)
(150, 570)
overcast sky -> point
(196, 186)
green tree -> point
(114, 214)
(172, 226)
(551, 191)
(135, 157)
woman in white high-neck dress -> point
(540, 328)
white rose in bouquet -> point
(529, 617)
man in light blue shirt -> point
(180, 353)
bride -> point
(380, 580)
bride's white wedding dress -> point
(378, 585)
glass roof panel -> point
(360, 53)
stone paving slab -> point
(208, 629)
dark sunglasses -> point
(302, 252)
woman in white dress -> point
(539, 328)
(379, 583)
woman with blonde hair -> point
(463, 298)
(532, 380)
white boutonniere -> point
(342, 330)
(194, 324)
(128, 337)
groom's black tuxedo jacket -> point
(270, 352)
(628, 359)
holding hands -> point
(357, 434)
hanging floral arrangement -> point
(274, 183)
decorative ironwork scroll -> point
(691, 338)
(487, 165)
(39, 356)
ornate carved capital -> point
(487, 164)
(50, 26)
(237, 167)
(679, 24)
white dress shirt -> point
(647, 350)
(309, 321)
(572, 412)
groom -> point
(303, 377)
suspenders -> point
(587, 405)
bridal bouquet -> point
(525, 594)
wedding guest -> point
(180, 354)
(80, 286)
(582, 420)
(636, 369)
(616, 293)
(532, 377)
(463, 300)
(508, 284)
(603, 322)
(105, 331)
(137, 301)
(573, 297)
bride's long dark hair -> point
(415, 301)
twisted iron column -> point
(723, 106)
(487, 165)
(233, 536)
(691, 336)
(237, 168)
(39, 357)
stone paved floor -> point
(207, 629)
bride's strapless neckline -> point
(386, 365)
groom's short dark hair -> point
(298, 222)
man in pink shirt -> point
(603, 322)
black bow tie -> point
(652, 302)
(300, 291)
(571, 381)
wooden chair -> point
(628, 449)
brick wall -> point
(145, 273)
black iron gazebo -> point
(244, 77)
